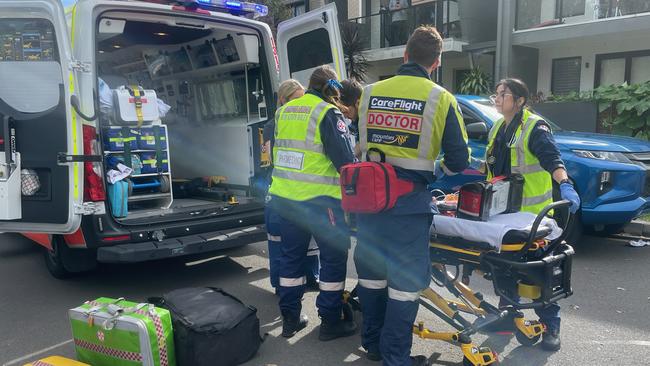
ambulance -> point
(131, 129)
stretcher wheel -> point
(165, 184)
(524, 340)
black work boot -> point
(330, 330)
(419, 361)
(292, 325)
(373, 354)
(551, 340)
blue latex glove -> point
(437, 170)
(569, 193)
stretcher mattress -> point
(491, 235)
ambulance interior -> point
(214, 93)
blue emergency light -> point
(258, 10)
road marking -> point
(32, 355)
(623, 343)
(201, 261)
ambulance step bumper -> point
(178, 247)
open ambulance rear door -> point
(308, 41)
(41, 135)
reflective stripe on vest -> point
(308, 144)
(521, 147)
(402, 123)
(305, 177)
(301, 170)
(536, 200)
(538, 183)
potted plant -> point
(476, 82)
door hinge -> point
(76, 65)
(64, 158)
(89, 208)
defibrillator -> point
(480, 200)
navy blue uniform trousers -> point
(272, 220)
(392, 261)
(299, 221)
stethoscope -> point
(513, 141)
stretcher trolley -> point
(527, 270)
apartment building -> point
(556, 46)
(562, 46)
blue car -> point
(611, 173)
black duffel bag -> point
(211, 327)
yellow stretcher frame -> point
(471, 302)
(528, 332)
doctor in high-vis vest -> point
(312, 142)
(522, 143)
(410, 119)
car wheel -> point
(54, 261)
(63, 262)
(608, 230)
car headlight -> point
(604, 155)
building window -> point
(298, 9)
(612, 71)
(618, 68)
(569, 8)
(640, 69)
(528, 14)
(565, 75)
(341, 9)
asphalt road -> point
(606, 322)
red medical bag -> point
(371, 187)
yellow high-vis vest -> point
(538, 183)
(301, 169)
(405, 117)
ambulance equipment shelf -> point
(148, 175)
(147, 197)
(164, 198)
(132, 151)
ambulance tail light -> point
(93, 181)
(113, 239)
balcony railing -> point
(392, 28)
(544, 13)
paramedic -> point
(311, 144)
(350, 97)
(288, 90)
(522, 142)
(410, 119)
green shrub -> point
(622, 109)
